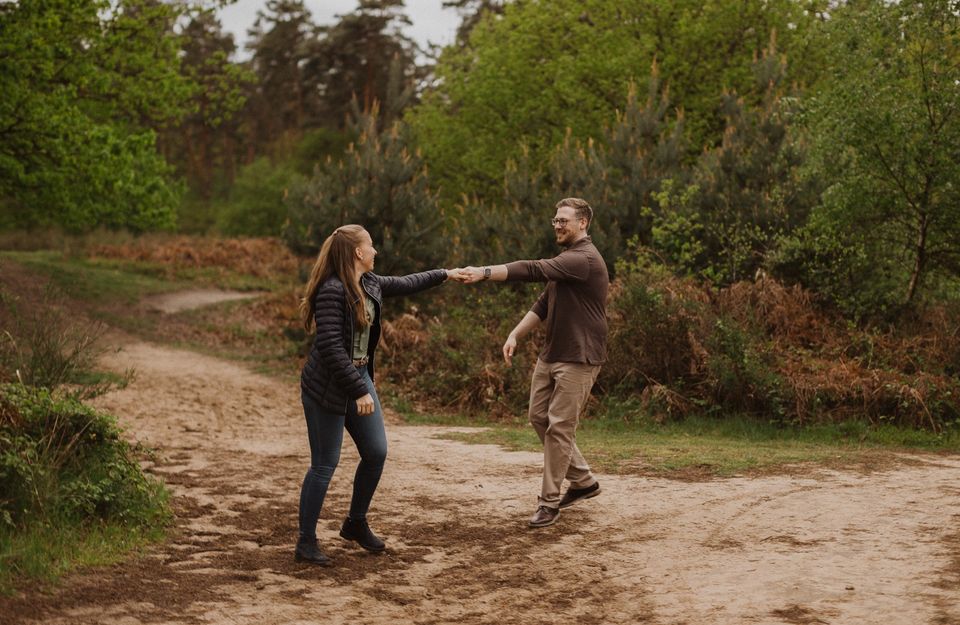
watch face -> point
(486, 272)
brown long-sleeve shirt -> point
(574, 303)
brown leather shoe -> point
(573, 495)
(544, 516)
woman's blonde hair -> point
(336, 258)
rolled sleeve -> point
(542, 305)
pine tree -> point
(618, 174)
(380, 184)
(278, 105)
(203, 145)
(750, 189)
(365, 56)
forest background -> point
(777, 196)
(776, 183)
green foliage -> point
(62, 457)
(744, 195)
(718, 219)
(750, 188)
(202, 145)
(83, 82)
(381, 184)
(622, 172)
(257, 201)
(650, 327)
(318, 145)
(884, 137)
(620, 175)
(364, 56)
(839, 265)
(677, 231)
(526, 77)
(742, 372)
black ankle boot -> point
(309, 551)
(360, 532)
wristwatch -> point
(486, 273)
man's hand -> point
(365, 405)
(509, 348)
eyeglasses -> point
(563, 221)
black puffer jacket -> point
(329, 375)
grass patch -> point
(45, 552)
(110, 291)
(72, 491)
(93, 280)
(109, 281)
(699, 447)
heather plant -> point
(44, 348)
(655, 322)
(454, 360)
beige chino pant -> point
(558, 393)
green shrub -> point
(654, 321)
(62, 459)
(742, 372)
(256, 206)
(841, 270)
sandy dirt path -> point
(824, 547)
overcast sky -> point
(431, 22)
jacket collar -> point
(579, 243)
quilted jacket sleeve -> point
(412, 283)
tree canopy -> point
(83, 84)
(524, 77)
(885, 135)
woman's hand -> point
(365, 405)
(456, 274)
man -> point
(573, 309)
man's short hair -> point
(581, 208)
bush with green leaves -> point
(884, 134)
(60, 459)
(741, 371)
(654, 321)
(257, 202)
(84, 86)
(842, 268)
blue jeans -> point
(325, 430)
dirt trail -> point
(196, 298)
(830, 547)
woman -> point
(343, 301)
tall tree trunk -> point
(920, 257)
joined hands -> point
(465, 275)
